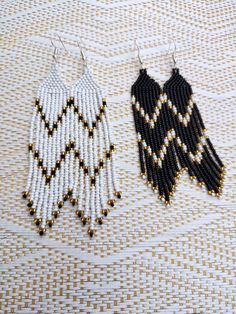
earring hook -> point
(139, 55)
(83, 55)
(63, 45)
(173, 53)
(54, 56)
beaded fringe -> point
(172, 137)
(70, 153)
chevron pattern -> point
(145, 258)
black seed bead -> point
(40, 163)
(36, 154)
(55, 125)
(94, 124)
(81, 163)
(63, 155)
(93, 181)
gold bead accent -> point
(25, 194)
(73, 201)
(91, 232)
(105, 212)
(37, 221)
(111, 202)
(118, 194)
(60, 204)
(42, 231)
(50, 222)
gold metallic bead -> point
(99, 220)
(25, 194)
(30, 203)
(90, 232)
(105, 212)
(200, 184)
(42, 231)
(84, 220)
(37, 221)
(111, 202)
(55, 213)
(32, 211)
(73, 201)
(60, 204)
(118, 194)
(50, 222)
(192, 178)
(79, 213)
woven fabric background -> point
(145, 258)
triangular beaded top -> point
(70, 153)
(172, 137)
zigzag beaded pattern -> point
(69, 105)
(172, 137)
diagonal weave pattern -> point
(146, 258)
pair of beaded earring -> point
(171, 135)
(70, 151)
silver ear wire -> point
(54, 56)
(139, 55)
(83, 55)
(173, 54)
(63, 45)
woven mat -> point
(146, 258)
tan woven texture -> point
(145, 258)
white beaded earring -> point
(70, 151)
(94, 184)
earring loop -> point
(173, 54)
(83, 55)
(139, 55)
(55, 52)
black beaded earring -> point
(171, 136)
